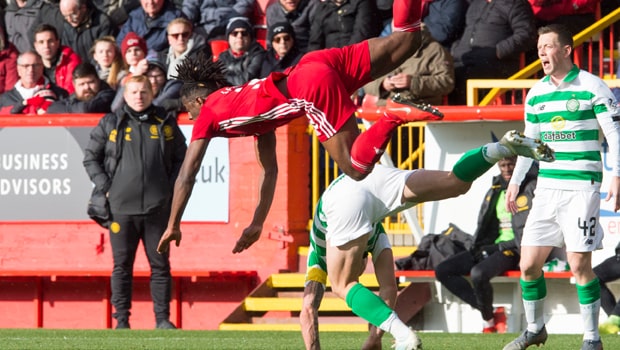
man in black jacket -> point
(495, 248)
(133, 158)
(92, 95)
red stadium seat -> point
(217, 47)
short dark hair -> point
(564, 35)
(45, 27)
(83, 70)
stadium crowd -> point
(465, 39)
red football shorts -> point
(325, 80)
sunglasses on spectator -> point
(237, 32)
(185, 35)
(285, 38)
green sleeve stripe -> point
(600, 108)
(572, 175)
(591, 155)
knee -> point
(479, 276)
(442, 272)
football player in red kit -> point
(318, 87)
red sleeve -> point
(11, 68)
(204, 127)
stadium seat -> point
(217, 47)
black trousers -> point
(607, 271)
(479, 293)
(126, 232)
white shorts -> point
(351, 208)
(562, 217)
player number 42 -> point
(588, 226)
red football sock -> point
(370, 145)
(407, 15)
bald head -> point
(73, 11)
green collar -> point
(572, 75)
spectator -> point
(134, 50)
(496, 32)
(82, 26)
(576, 15)
(117, 10)
(210, 17)
(609, 271)
(495, 248)
(445, 20)
(8, 60)
(244, 58)
(166, 93)
(283, 51)
(92, 95)
(133, 158)
(298, 13)
(59, 60)
(426, 77)
(337, 23)
(384, 13)
(33, 93)
(184, 42)
(109, 61)
(149, 21)
(21, 18)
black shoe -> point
(122, 324)
(165, 324)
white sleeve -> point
(531, 130)
(608, 116)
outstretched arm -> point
(182, 191)
(266, 156)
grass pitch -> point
(44, 339)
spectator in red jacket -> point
(33, 93)
(59, 60)
(8, 61)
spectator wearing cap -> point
(149, 21)
(184, 42)
(283, 51)
(92, 95)
(166, 92)
(298, 13)
(59, 60)
(33, 93)
(244, 58)
(134, 51)
(210, 17)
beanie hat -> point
(279, 28)
(239, 22)
(132, 39)
(156, 62)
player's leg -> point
(309, 315)
(533, 293)
(383, 262)
(388, 53)
(608, 271)
(342, 267)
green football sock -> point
(534, 290)
(367, 305)
(471, 165)
(589, 292)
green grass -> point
(34, 339)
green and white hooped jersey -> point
(567, 117)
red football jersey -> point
(319, 87)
